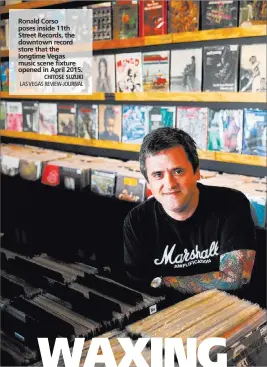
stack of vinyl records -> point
(209, 314)
(15, 353)
(48, 298)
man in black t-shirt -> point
(188, 236)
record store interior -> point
(94, 243)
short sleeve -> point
(238, 230)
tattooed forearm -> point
(235, 270)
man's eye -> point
(157, 175)
(178, 171)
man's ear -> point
(197, 174)
(148, 185)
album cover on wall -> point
(152, 17)
(125, 19)
(87, 120)
(66, 119)
(48, 118)
(134, 124)
(183, 16)
(215, 133)
(14, 120)
(2, 115)
(102, 21)
(194, 121)
(219, 14)
(156, 70)
(252, 13)
(253, 68)
(104, 73)
(5, 76)
(254, 138)
(129, 72)
(186, 70)
(225, 131)
(158, 116)
(30, 112)
(4, 23)
(220, 68)
(109, 122)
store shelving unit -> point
(208, 155)
(245, 99)
(152, 96)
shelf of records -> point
(112, 177)
(186, 73)
(209, 314)
(79, 301)
(233, 135)
(132, 19)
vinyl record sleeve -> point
(104, 74)
(103, 183)
(219, 14)
(130, 188)
(158, 116)
(66, 119)
(30, 111)
(14, 119)
(48, 118)
(129, 72)
(152, 17)
(110, 122)
(183, 16)
(87, 120)
(220, 64)
(134, 124)
(156, 71)
(252, 13)
(254, 137)
(2, 115)
(225, 130)
(125, 19)
(194, 121)
(186, 70)
(102, 21)
(253, 68)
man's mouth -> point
(172, 193)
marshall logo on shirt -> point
(187, 258)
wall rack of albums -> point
(158, 75)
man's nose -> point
(170, 181)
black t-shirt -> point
(157, 245)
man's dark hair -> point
(108, 114)
(166, 138)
